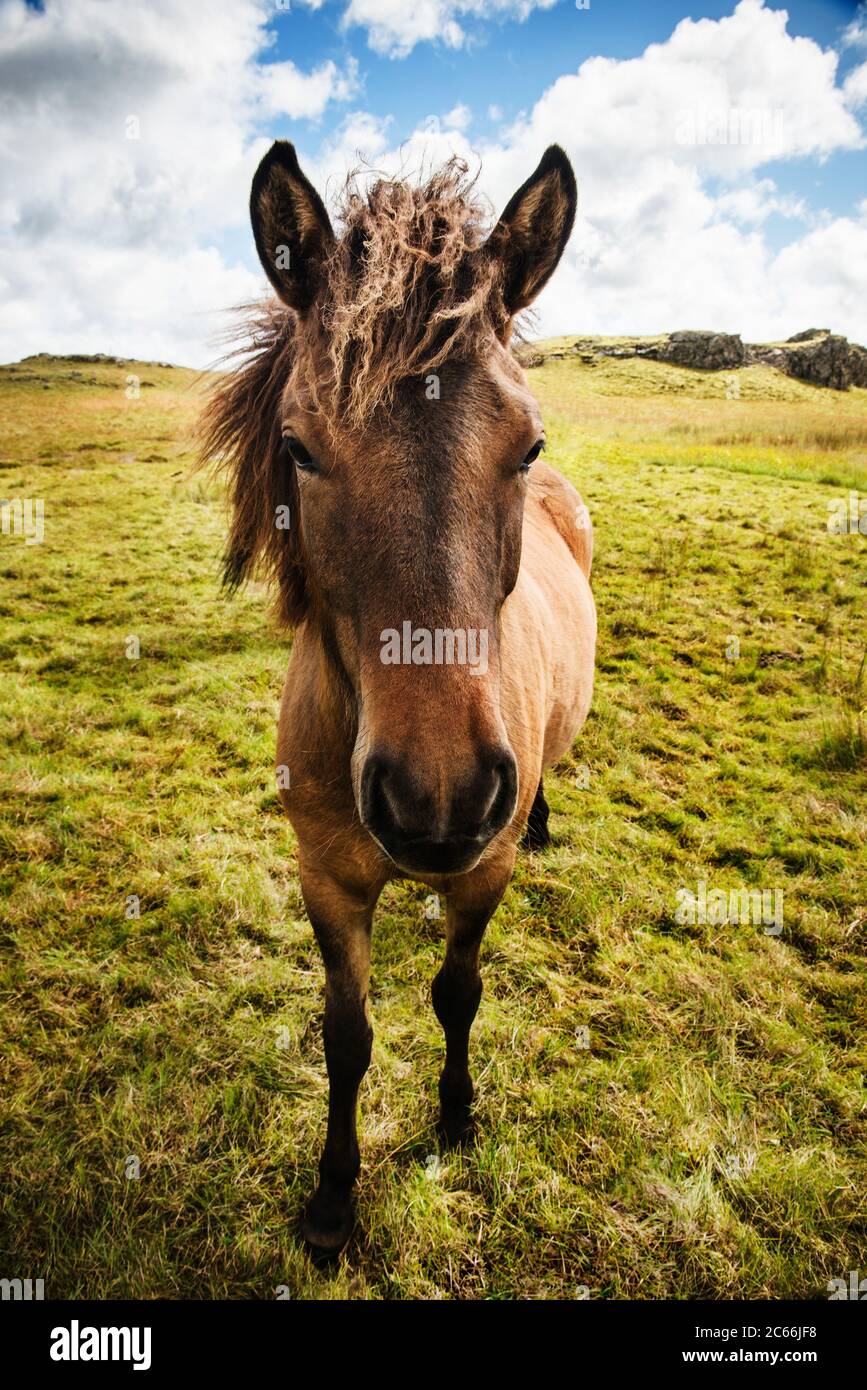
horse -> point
(383, 455)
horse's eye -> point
(532, 456)
(298, 454)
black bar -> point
(237, 1337)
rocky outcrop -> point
(822, 358)
(815, 355)
(708, 352)
(858, 366)
(825, 362)
(99, 358)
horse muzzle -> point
(442, 830)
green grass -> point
(710, 1140)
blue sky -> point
(129, 134)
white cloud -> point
(113, 240)
(284, 91)
(855, 36)
(156, 304)
(458, 118)
(855, 87)
(756, 202)
(823, 277)
(749, 91)
(394, 27)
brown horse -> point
(383, 450)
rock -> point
(709, 352)
(858, 365)
(823, 359)
(95, 357)
(650, 350)
(808, 334)
(832, 361)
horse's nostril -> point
(390, 802)
(375, 807)
(491, 790)
(501, 804)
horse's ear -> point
(290, 225)
(530, 237)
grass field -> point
(666, 1110)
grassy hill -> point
(666, 1109)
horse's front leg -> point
(341, 920)
(457, 989)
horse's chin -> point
(435, 858)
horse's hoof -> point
(536, 839)
(456, 1129)
(327, 1233)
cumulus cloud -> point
(458, 118)
(855, 87)
(855, 35)
(128, 136)
(394, 27)
(756, 202)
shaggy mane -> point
(406, 285)
(239, 434)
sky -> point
(720, 151)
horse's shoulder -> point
(561, 505)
